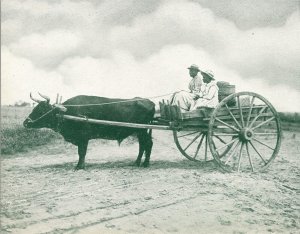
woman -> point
(208, 97)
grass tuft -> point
(20, 139)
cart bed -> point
(201, 116)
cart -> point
(242, 133)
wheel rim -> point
(252, 128)
(194, 146)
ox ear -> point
(34, 99)
(45, 97)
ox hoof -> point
(137, 163)
(146, 164)
(79, 167)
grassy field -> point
(290, 121)
(290, 117)
(15, 138)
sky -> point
(124, 49)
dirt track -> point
(41, 193)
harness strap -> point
(34, 121)
(62, 109)
(109, 103)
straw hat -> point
(209, 74)
(194, 67)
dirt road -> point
(41, 193)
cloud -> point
(273, 52)
(129, 48)
(47, 49)
(22, 18)
(248, 14)
(31, 16)
(123, 75)
(19, 77)
(175, 23)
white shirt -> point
(208, 97)
(196, 84)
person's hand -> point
(196, 97)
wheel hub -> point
(246, 134)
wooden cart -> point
(242, 133)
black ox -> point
(135, 110)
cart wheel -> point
(252, 128)
(193, 145)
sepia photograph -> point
(150, 116)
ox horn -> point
(45, 97)
(33, 99)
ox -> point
(135, 110)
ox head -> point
(42, 115)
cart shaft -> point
(115, 123)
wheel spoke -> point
(187, 134)
(240, 157)
(195, 138)
(232, 152)
(226, 124)
(249, 156)
(257, 152)
(241, 113)
(239, 136)
(256, 117)
(265, 133)
(215, 147)
(232, 116)
(205, 156)
(262, 143)
(199, 145)
(225, 134)
(267, 121)
(221, 129)
(229, 143)
(220, 139)
(250, 111)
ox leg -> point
(82, 147)
(148, 149)
(141, 138)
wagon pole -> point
(116, 123)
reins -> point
(109, 103)
(100, 104)
(34, 121)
